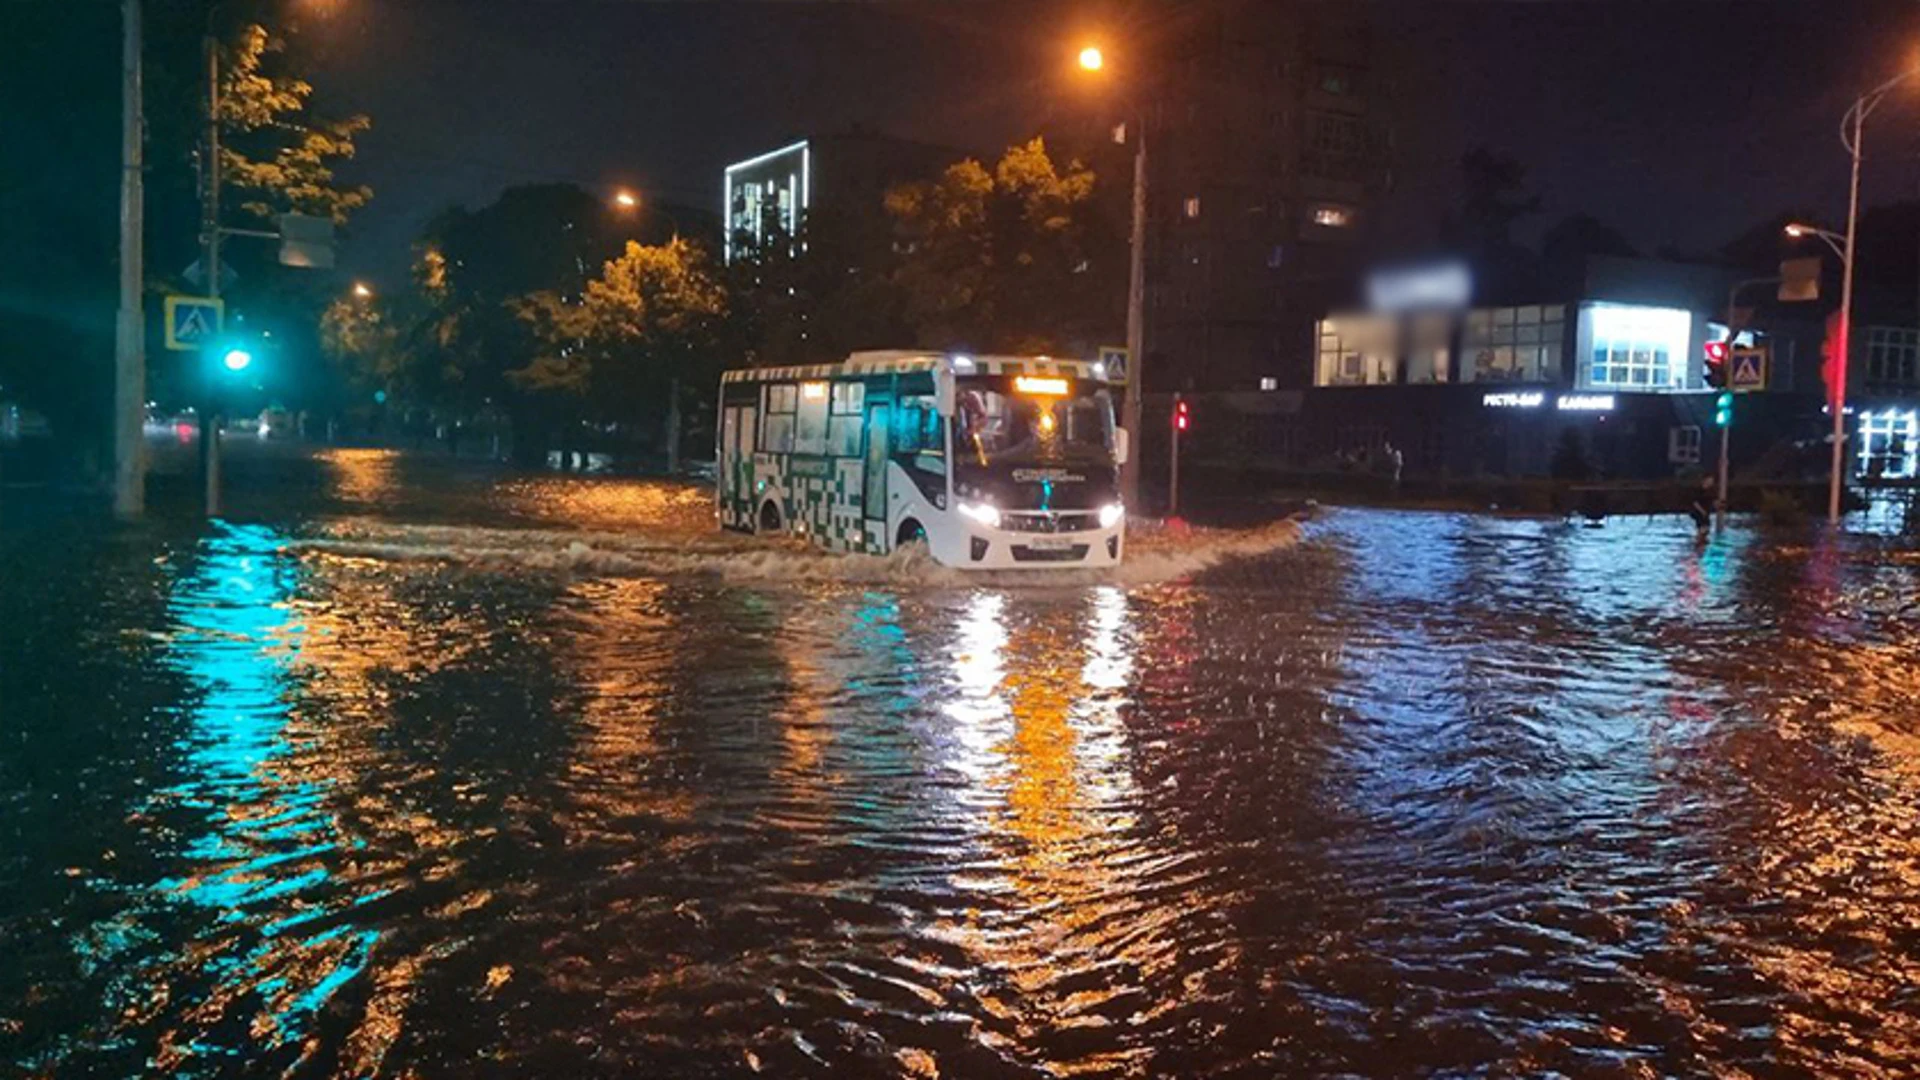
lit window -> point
(1636, 348)
(1332, 217)
(1889, 442)
(1268, 382)
(1511, 344)
(1193, 206)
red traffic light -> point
(1717, 354)
(1180, 415)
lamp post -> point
(1092, 60)
(1851, 125)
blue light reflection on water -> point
(267, 946)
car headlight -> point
(1111, 514)
(982, 513)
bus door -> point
(873, 497)
(736, 449)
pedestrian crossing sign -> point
(193, 322)
(1115, 360)
(1747, 369)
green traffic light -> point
(1723, 410)
(237, 359)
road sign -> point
(1747, 368)
(193, 322)
(1116, 360)
(306, 241)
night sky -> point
(1679, 123)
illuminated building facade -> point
(822, 181)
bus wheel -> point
(769, 517)
(910, 534)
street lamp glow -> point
(1091, 58)
(625, 200)
(1797, 231)
(362, 290)
(237, 359)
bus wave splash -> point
(1155, 555)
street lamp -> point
(1851, 125)
(626, 200)
(362, 290)
(1092, 59)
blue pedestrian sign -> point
(193, 322)
(1747, 369)
(1115, 359)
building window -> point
(1268, 382)
(1276, 256)
(1356, 350)
(1516, 344)
(1889, 441)
(1331, 216)
(1893, 356)
(1683, 445)
(1336, 145)
(1335, 81)
(1636, 348)
(1192, 206)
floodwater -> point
(404, 773)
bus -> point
(991, 462)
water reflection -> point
(260, 936)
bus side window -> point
(917, 428)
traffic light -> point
(1723, 409)
(1179, 416)
(1718, 353)
(236, 359)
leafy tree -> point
(645, 329)
(1006, 260)
(275, 151)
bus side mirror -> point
(1122, 445)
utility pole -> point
(1136, 318)
(210, 233)
(129, 342)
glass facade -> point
(1632, 347)
(1513, 344)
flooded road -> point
(408, 773)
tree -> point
(1005, 260)
(644, 329)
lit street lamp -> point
(362, 291)
(1092, 59)
(1851, 125)
(626, 200)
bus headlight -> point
(982, 513)
(1111, 514)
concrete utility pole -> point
(210, 231)
(129, 341)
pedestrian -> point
(1395, 461)
(1701, 508)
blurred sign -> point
(1434, 287)
(1586, 402)
(1116, 361)
(1747, 368)
(1799, 279)
(306, 241)
(193, 322)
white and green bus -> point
(994, 462)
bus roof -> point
(898, 361)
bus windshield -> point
(995, 424)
